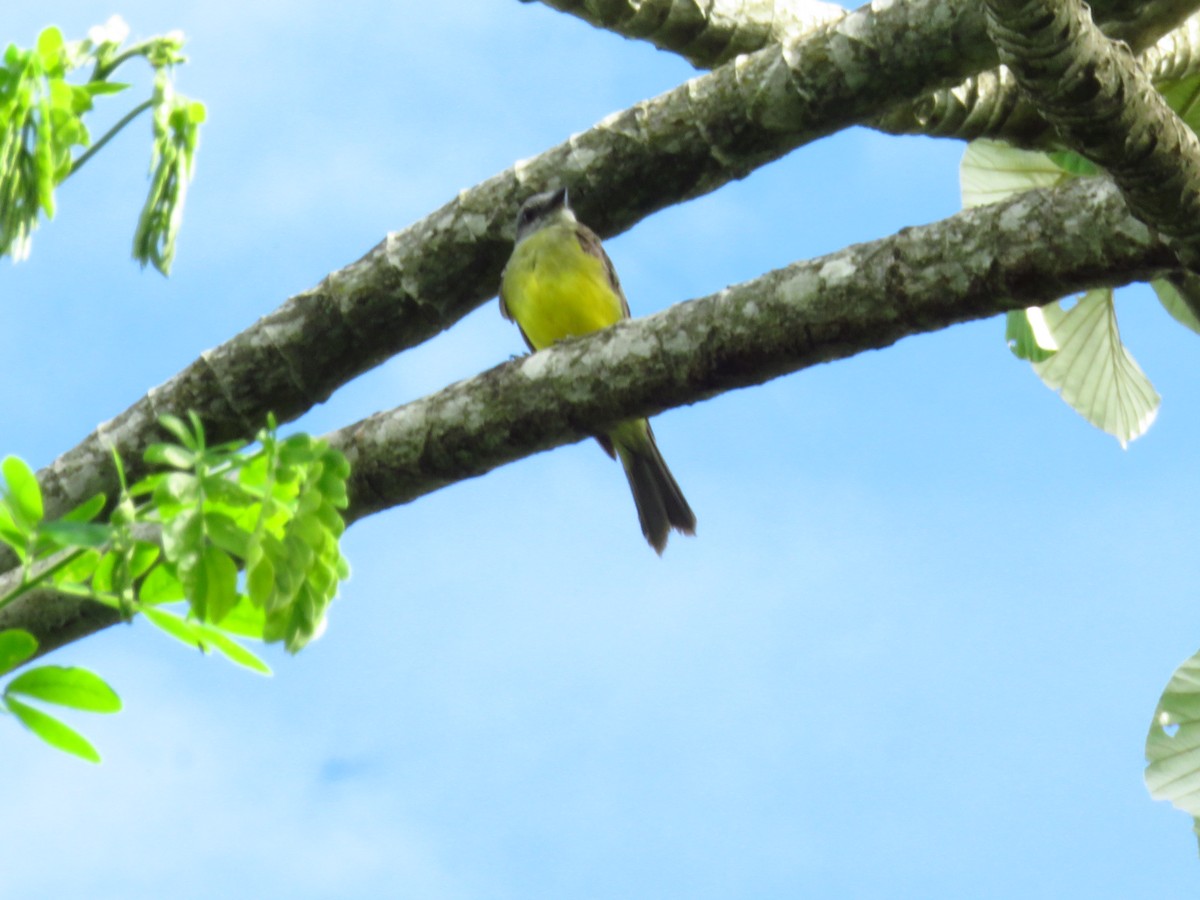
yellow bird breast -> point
(555, 290)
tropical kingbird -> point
(560, 283)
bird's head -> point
(543, 209)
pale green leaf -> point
(1182, 308)
(1094, 372)
(1173, 742)
(992, 171)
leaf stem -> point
(111, 133)
(100, 74)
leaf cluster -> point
(245, 540)
(1077, 349)
(42, 126)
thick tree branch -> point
(708, 33)
(987, 105)
(682, 144)
(1038, 247)
(992, 105)
(1176, 54)
(1033, 249)
(1103, 105)
(691, 140)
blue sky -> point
(912, 652)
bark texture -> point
(1104, 106)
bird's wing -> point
(591, 245)
(508, 315)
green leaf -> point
(97, 88)
(206, 638)
(50, 48)
(992, 171)
(227, 534)
(1173, 742)
(245, 620)
(260, 581)
(1072, 163)
(102, 577)
(183, 536)
(145, 554)
(215, 585)
(79, 571)
(11, 533)
(175, 491)
(1028, 335)
(177, 427)
(1093, 371)
(16, 646)
(62, 533)
(333, 489)
(171, 455)
(55, 733)
(1183, 96)
(161, 585)
(24, 494)
(73, 687)
(87, 510)
(1181, 298)
(233, 651)
(176, 627)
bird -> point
(560, 283)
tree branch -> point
(417, 282)
(710, 33)
(987, 105)
(705, 34)
(687, 142)
(1033, 249)
(1103, 105)
(1036, 248)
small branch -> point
(109, 135)
(101, 73)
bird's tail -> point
(660, 503)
